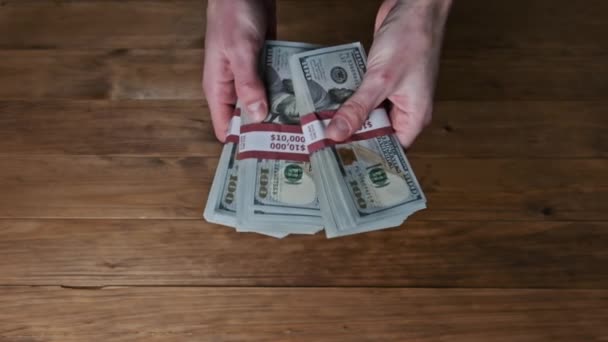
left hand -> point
(402, 67)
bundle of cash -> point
(365, 183)
(264, 182)
(282, 176)
(221, 205)
(276, 192)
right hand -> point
(236, 30)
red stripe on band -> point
(372, 134)
(271, 127)
(273, 156)
(356, 137)
(321, 115)
(232, 138)
(326, 114)
(314, 147)
(308, 118)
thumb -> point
(249, 87)
(409, 124)
(350, 116)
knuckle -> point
(245, 82)
(381, 77)
(248, 89)
(242, 51)
(355, 112)
(427, 116)
(386, 77)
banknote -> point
(284, 176)
(272, 154)
(221, 203)
(369, 171)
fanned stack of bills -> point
(283, 176)
(367, 183)
(277, 191)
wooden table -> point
(107, 153)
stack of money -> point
(277, 193)
(282, 176)
(365, 183)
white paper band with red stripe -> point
(234, 129)
(314, 124)
(272, 141)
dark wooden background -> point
(107, 153)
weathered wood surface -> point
(192, 252)
(301, 314)
(473, 129)
(107, 153)
(176, 74)
(61, 186)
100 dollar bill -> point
(281, 173)
(372, 166)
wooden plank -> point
(117, 24)
(100, 24)
(538, 26)
(91, 74)
(99, 186)
(542, 26)
(183, 128)
(180, 128)
(176, 74)
(59, 186)
(191, 252)
(556, 129)
(509, 75)
(292, 314)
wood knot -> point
(547, 211)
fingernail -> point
(338, 129)
(257, 110)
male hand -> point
(402, 67)
(236, 30)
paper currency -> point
(366, 183)
(277, 191)
(283, 176)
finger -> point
(221, 113)
(218, 87)
(249, 87)
(409, 125)
(384, 10)
(351, 115)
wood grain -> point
(107, 154)
(319, 314)
(181, 128)
(192, 252)
(537, 26)
(475, 129)
(145, 24)
(176, 74)
(58, 186)
(167, 25)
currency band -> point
(314, 124)
(234, 128)
(272, 141)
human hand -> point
(236, 30)
(402, 67)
